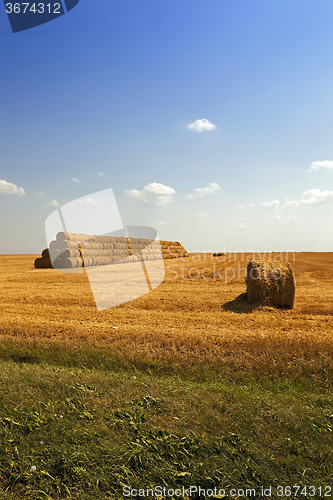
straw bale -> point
(47, 263)
(58, 264)
(91, 244)
(64, 235)
(70, 253)
(70, 263)
(63, 244)
(87, 262)
(121, 245)
(54, 254)
(53, 245)
(46, 253)
(269, 284)
(108, 246)
(39, 263)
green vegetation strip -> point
(79, 433)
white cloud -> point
(251, 205)
(292, 217)
(241, 226)
(312, 197)
(92, 201)
(100, 174)
(201, 125)
(74, 179)
(201, 215)
(316, 197)
(156, 193)
(290, 203)
(163, 223)
(271, 204)
(52, 203)
(239, 206)
(40, 193)
(287, 218)
(9, 188)
(320, 165)
(210, 189)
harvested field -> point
(198, 314)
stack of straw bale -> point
(72, 250)
(270, 284)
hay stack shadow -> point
(240, 305)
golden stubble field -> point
(198, 314)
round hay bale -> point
(78, 261)
(271, 284)
(91, 244)
(62, 245)
(108, 246)
(62, 235)
(54, 254)
(86, 245)
(69, 253)
(54, 245)
(58, 264)
(46, 253)
(39, 263)
(87, 262)
(69, 263)
(120, 245)
(47, 263)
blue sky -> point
(112, 87)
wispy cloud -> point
(201, 215)
(288, 218)
(74, 179)
(40, 193)
(52, 203)
(271, 204)
(155, 193)
(320, 165)
(210, 189)
(201, 125)
(100, 174)
(10, 188)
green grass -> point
(78, 432)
